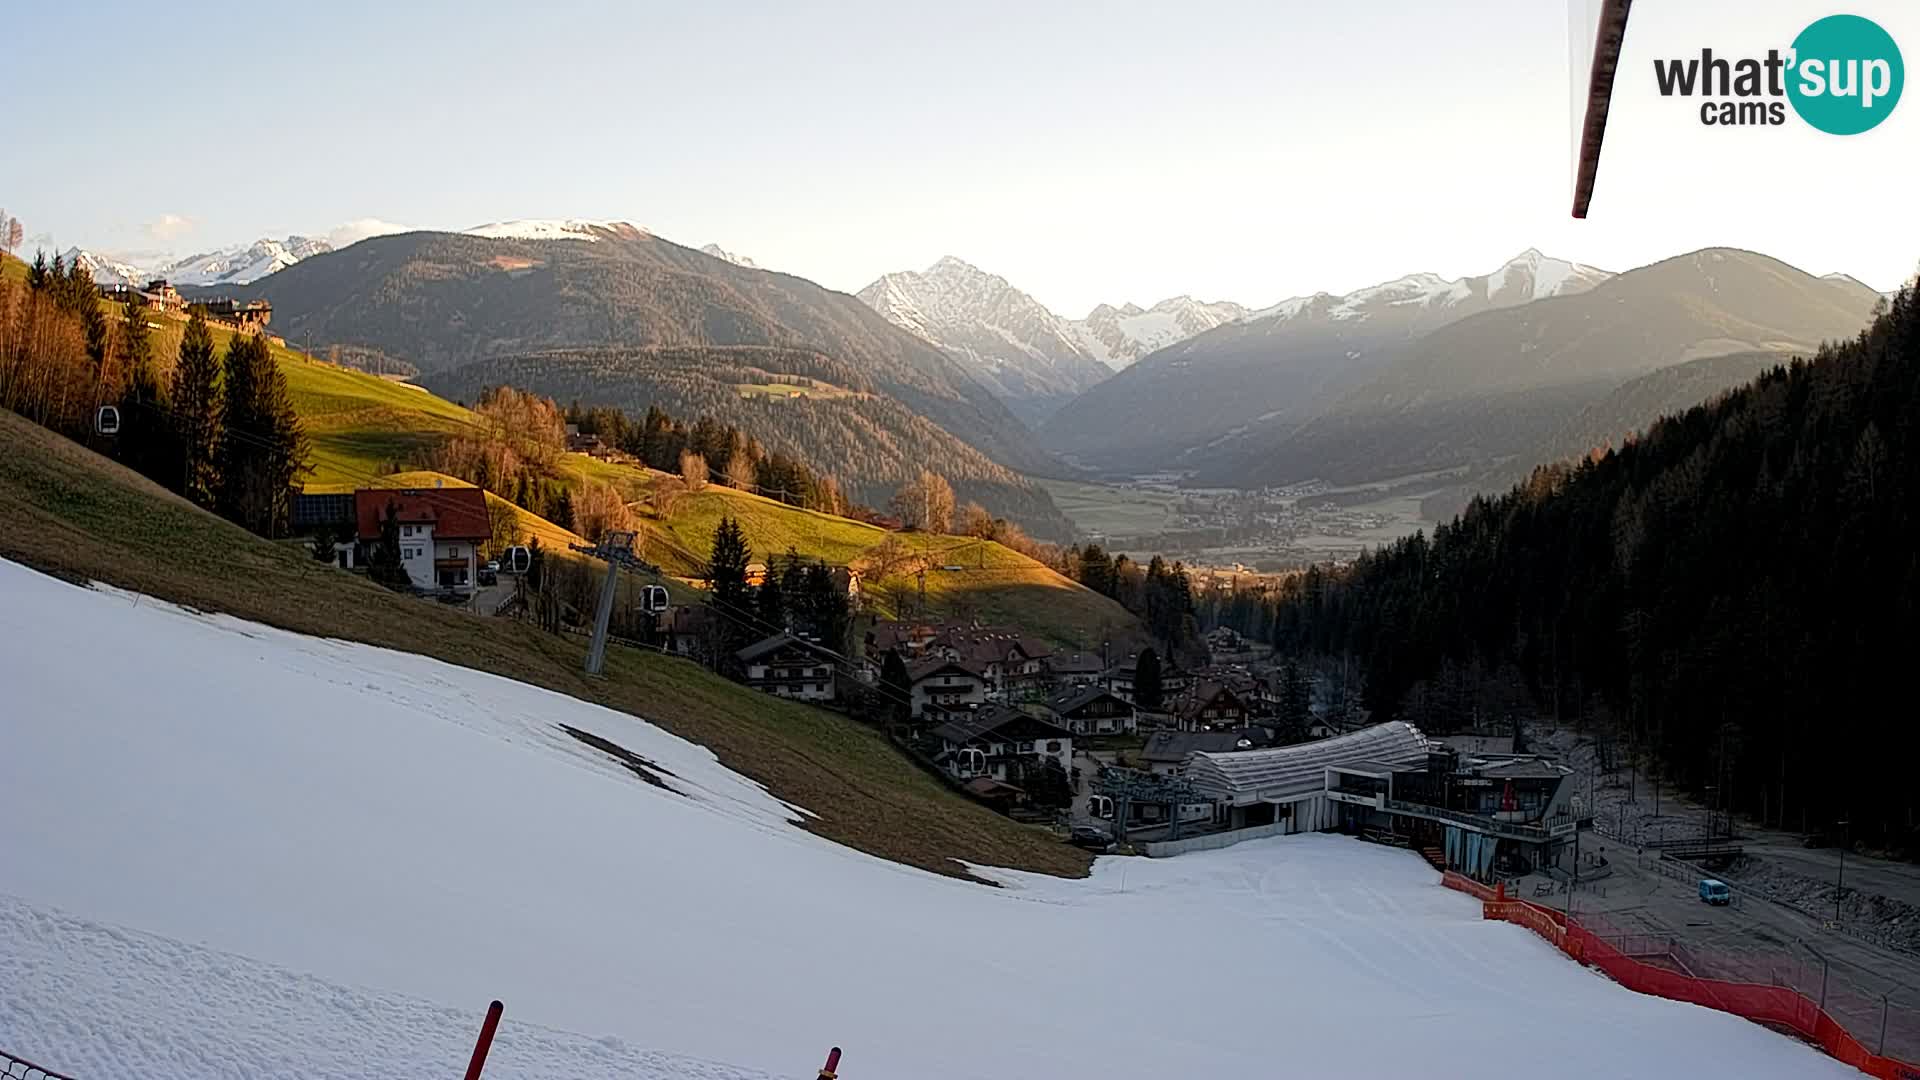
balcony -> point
(1561, 825)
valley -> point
(1265, 530)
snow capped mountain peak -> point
(953, 265)
(236, 265)
(105, 269)
(1009, 341)
(555, 229)
(1530, 275)
(1119, 336)
(723, 254)
(1545, 276)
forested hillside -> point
(796, 402)
(1738, 591)
(1611, 421)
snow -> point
(953, 302)
(238, 265)
(106, 270)
(252, 853)
(550, 229)
(735, 258)
(1549, 276)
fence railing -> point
(14, 1068)
(1161, 849)
(1777, 1003)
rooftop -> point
(1255, 775)
(1069, 700)
(768, 646)
(966, 727)
(456, 513)
(1173, 747)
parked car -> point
(493, 566)
(1092, 837)
(1715, 892)
(489, 575)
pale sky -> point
(1089, 152)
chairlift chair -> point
(106, 420)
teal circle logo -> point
(1847, 75)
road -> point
(487, 598)
(1759, 941)
(1898, 881)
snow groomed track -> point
(230, 850)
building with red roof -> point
(441, 531)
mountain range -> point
(1031, 358)
(1497, 386)
(1482, 376)
(238, 265)
(1282, 363)
(522, 289)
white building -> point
(785, 666)
(948, 684)
(441, 531)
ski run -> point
(232, 851)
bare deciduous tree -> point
(976, 522)
(503, 526)
(693, 470)
(665, 496)
(597, 510)
(740, 473)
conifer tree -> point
(828, 613)
(898, 684)
(770, 604)
(1148, 690)
(262, 449)
(384, 565)
(145, 429)
(727, 570)
(1295, 707)
(196, 411)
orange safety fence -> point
(1462, 883)
(1776, 1006)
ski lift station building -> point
(1485, 812)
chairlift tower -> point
(1128, 786)
(616, 550)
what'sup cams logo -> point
(1842, 74)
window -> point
(1053, 747)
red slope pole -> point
(830, 1071)
(480, 1048)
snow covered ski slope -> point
(226, 850)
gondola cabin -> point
(106, 420)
